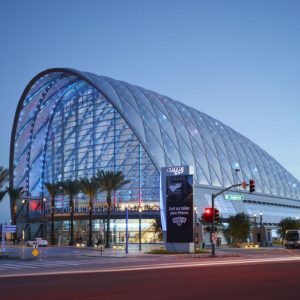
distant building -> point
(69, 124)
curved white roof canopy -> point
(172, 133)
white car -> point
(40, 242)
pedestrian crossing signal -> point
(244, 185)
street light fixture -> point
(23, 219)
(126, 234)
(195, 229)
(236, 175)
(140, 228)
(260, 225)
(44, 217)
(254, 220)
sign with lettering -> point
(9, 228)
(175, 170)
(179, 208)
(234, 197)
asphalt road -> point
(268, 281)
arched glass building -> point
(69, 124)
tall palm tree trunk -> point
(52, 225)
(90, 242)
(107, 240)
(71, 243)
(109, 181)
(14, 219)
(53, 190)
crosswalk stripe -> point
(17, 266)
(9, 267)
(55, 263)
(36, 265)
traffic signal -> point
(217, 215)
(244, 185)
(207, 216)
(251, 186)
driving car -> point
(40, 242)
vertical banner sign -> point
(179, 208)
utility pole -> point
(213, 197)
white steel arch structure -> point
(69, 124)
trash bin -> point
(219, 241)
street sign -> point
(214, 237)
(35, 252)
(9, 228)
(234, 197)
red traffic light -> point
(208, 211)
(244, 185)
(251, 186)
(207, 216)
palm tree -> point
(2, 193)
(71, 188)
(3, 178)
(90, 188)
(15, 194)
(3, 175)
(110, 181)
(53, 189)
(157, 228)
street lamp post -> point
(212, 230)
(260, 226)
(23, 219)
(126, 234)
(140, 228)
(195, 229)
(213, 197)
(236, 175)
(44, 217)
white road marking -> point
(161, 266)
(36, 265)
(9, 267)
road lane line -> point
(160, 266)
(36, 265)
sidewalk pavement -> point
(72, 252)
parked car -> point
(41, 242)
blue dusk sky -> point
(236, 60)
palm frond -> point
(89, 187)
(52, 188)
(110, 181)
(3, 176)
(70, 187)
(15, 193)
(2, 193)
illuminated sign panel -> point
(234, 197)
(179, 208)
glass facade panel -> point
(71, 123)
